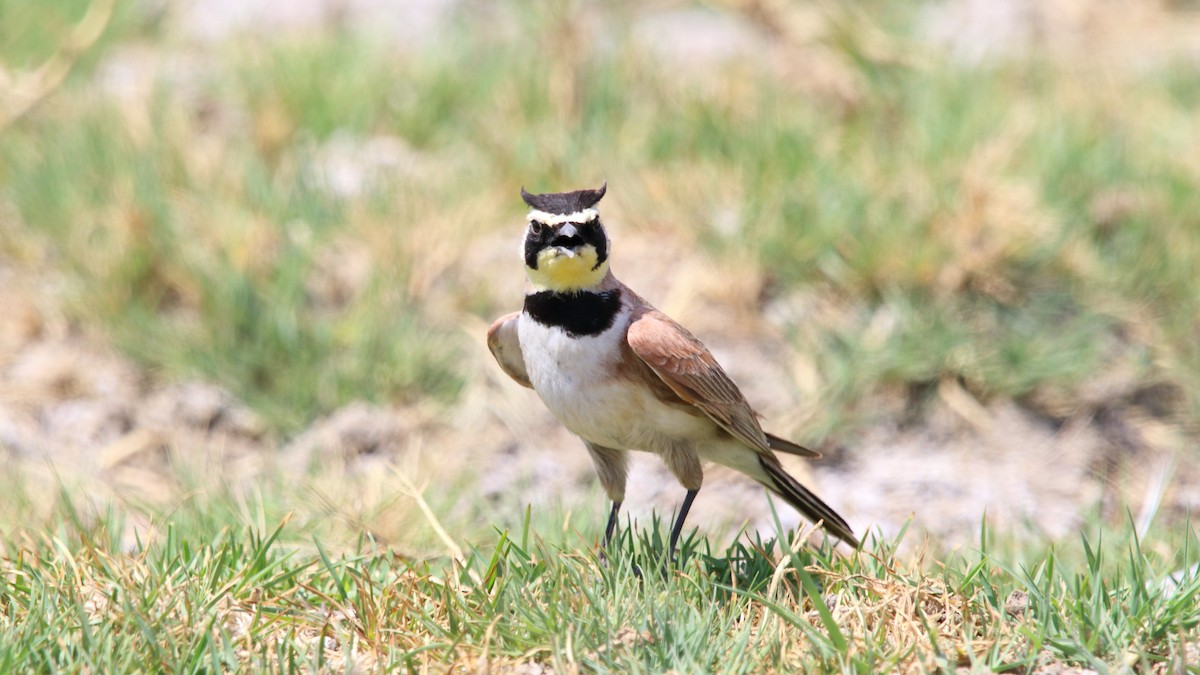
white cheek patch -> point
(579, 217)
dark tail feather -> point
(806, 502)
(783, 445)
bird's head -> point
(566, 247)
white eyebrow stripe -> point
(584, 216)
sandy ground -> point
(70, 405)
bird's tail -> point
(805, 501)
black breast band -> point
(579, 314)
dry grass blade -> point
(786, 561)
(416, 494)
(22, 91)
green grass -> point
(205, 591)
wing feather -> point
(689, 369)
(783, 445)
(506, 347)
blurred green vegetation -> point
(1016, 226)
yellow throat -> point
(561, 271)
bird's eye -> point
(535, 228)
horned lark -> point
(624, 376)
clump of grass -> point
(222, 273)
(991, 231)
(227, 595)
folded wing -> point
(689, 369)
(506, 347)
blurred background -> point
(249, 251)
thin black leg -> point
(612, 524)
(683, 511)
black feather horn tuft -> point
(564, 202)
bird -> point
(622, 375)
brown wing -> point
(502, 340)
(783, 445)
(687, 367)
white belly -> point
(574, 377)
